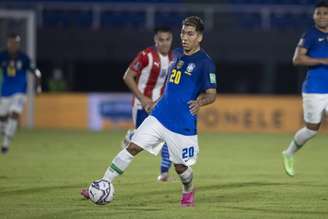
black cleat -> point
(4, 150)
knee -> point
(312, 127)
(180, 168)
(133, 149)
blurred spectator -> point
(57, 82)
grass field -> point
(237, 176)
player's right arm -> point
(130, 80)
(301, 58)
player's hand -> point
(194, 106)
(147, 103)
(324, 61)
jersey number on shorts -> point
(175, 76)
(188, 152)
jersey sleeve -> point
(139, 62)
(306, 41)
(209, 76)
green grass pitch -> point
(237, 176)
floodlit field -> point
(237, 176)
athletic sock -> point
(300, 138)
(165, 162)
(186, 179)
(118, 166)
(10, 130)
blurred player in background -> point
(14, 65)
(146, 77)
(311, 51)
(191, 85)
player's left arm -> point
(202, 100)
(36, 73)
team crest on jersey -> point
(180, 64)
(19, 64)
(190, 68)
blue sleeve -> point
(307, 40)
(209, 76)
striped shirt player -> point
(14, 66)
(146, 76)
(311, 51)
(151, 72)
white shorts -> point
(183, 149)
(314, 106)
(14, 103)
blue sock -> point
(165, 162)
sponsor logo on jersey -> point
(321, 39)
(137, 66)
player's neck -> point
(322, 29)
(163, 54)
(192, 51)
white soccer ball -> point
(101, 192)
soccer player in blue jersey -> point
(191, 85)
(14, 65)
(311, 51)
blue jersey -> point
(189, 76)
(14, 71)
(316, 42)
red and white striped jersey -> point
(152, 69)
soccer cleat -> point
(85, 193)
(288, 164)
(188, 199)
(164, 177)
(4, 150)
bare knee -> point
(134, 149)
(312, 126)
(180, 168)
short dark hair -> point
(320, 4)
(14, 36)
(194, 21)
(165, 29)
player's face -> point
(163, 42)
(190, 38)
(320, 17)
(13, 45)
